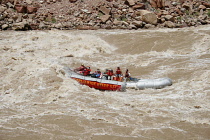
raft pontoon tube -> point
(150, 83)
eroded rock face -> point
(108, 14)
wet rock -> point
(85, 27)
(148, 26)
(70, 55)
(138, 24)
(148, 17)
(197, 107)
(18, 26)
(4, 26)
(169, 24)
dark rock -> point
(157, 3)
(207, 5)
(20, 8)
(72, 1)
(130, 2)
(187, 6)
(139, 6)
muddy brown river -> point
(39, 102)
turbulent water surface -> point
(39, 102)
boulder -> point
(117, 22)
(85, 27)
(148, 17)
(202, 7)
(138, 24)
(31, 9)
(187, 6)
(139, 6)
(10, 5)
(4, 26)
(169, 24)
(104, 10)
(58, 25)
(20, 8)
(18, 26)
(104, 18)
(2, 17)
(2, 9)
(207, 5)
(157, 3)
(147, 26)
(169, 18)
(130, 2)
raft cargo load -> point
(112, 85)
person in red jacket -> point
(118, 72)
(110, 74)
(80, 69)
(86, 71)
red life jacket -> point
(86, 72)
(118, 71)
(110, 73)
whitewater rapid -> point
(39, 102)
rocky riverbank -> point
(102, 14)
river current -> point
(39, 102)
